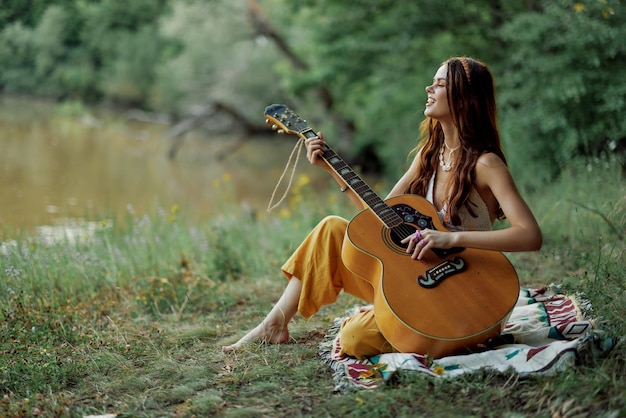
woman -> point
(459, 167)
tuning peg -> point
(280, 131)
(274, 126)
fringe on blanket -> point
(547, 332)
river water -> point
(66, 162)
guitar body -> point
(441, 305)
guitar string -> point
(401, 231)
(296, 149)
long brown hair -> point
(471, 97)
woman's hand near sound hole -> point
(423, 240)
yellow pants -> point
(317, 263)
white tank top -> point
(482, 222)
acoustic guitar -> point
(452, 301)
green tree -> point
(123, 46)
(552, 60)
(88, 49)
(17, 54)
(564, 90)
(28, 12)
(219, 60)
(378, 56)
(34, 40)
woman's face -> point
(437, 104)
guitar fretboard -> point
(387, 215)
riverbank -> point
(64, 163)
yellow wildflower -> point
(438, 370)
(284, 213)
(608, 12)
(303, 179)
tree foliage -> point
(559, 64)
(564, 83)
(378, 56)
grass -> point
(130, 319)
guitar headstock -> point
(285, 121)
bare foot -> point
(273, 329)
(264, 333)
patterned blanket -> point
(544, 334)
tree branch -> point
(263, 27)
(207, 112)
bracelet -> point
(343, 189)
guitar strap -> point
(296, 150)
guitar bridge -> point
(436, 274)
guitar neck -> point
(387, 215)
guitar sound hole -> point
(401, 232)
(413, 217)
